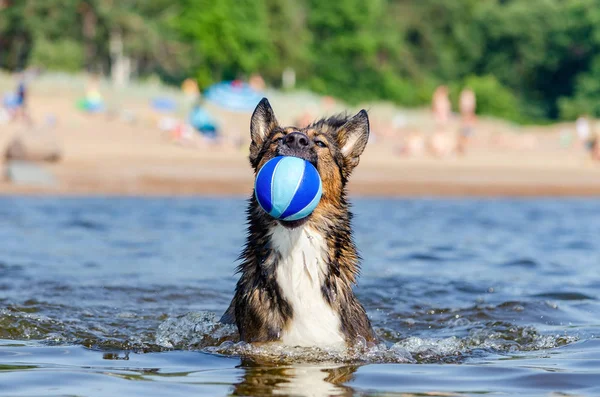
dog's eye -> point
(320, 144)
(278, 139)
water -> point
(119, 296)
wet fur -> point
(259, 308)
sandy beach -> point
(105, 155)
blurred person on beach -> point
(92, 102)
(583, 128)
(587, 136)
(21, 111)
(440, 142)
(93, 86)
(412, 144)
(467, 104)
(441, 107)
(200, 130)
(593, 146)
(190, 90)
(203, 122)
(257, 83)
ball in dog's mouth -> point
(289, 189)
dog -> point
(297, 276)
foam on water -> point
(203, 331)
(435, 335)
(193, 329)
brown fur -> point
(258, 307)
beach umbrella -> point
(233, 95)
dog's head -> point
(332, 145)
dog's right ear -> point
(262, 123)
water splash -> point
(458, 340)
(23, 325)
(202, 331)
(193, 330)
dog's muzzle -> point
(297, 144)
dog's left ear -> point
(263, 121)
(352, 138)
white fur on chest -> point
(300, 275)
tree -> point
(229, 37)
(290, 38)
(541, 55)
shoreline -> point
(205, 174)
(108, 156)
(200, 187)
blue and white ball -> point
(288, 188)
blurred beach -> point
(127, 150)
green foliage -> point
(65, 55)
(289, 37)
(527, 60)
(345, 48)
(230, 37)
(586, 96)
(493, 98)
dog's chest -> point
(300, 274)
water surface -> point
(120, 296)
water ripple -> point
(442, 280)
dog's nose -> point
(296, 140)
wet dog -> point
(297, 277)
